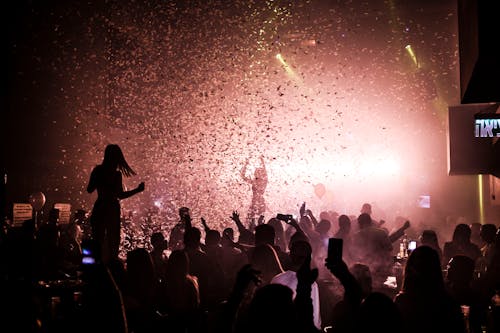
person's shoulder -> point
(284, 277)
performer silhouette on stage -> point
(106, 178)
(259, 184)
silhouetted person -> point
(176, 241)
(140, 291)
(371, 246)
(71, 248)
(158, 255)
(258, 183)
(103, 309)
(475, 235)
(210, 275)
(378, 313)
(264, 259)
(459, 284)
(424, 304)
(232, 259)
(265, 234)
(299, 252)
(182, 295)
(279, 231)
(429, 238)
(344, 232)
(48, 253)
(343, 316)
(460, 245)
(488, 232)
(106, 178)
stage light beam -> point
(412, 55)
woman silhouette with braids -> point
(106, 178)
(259, 184)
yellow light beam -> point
(285, 65)
(412, 55)
(481, 198)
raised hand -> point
(337, 268)
(302, 209)
(236, 216)
(141, 187)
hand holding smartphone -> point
(335, 246)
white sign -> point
(64, 212)
(21, 212)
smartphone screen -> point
(335, 246)
(412, 245)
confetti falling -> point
(192, 89)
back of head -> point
(344, 222)
(429, 237)
(422, 274)
(366, 209)
(276, 224)
(364, 220)
(297, 236)
(323, 227)
(272, 310)
(158, 241)
(265, 259)
(139, 262)
(114, 158)
(183, 211)
(488, 232)
(299, 252)
(264, 234)
(140, 272)
(378, 313)
(212, 238)
(462, 233)
(178, 264)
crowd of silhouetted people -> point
(271, 276)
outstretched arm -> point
(400, 232)
(128, 194)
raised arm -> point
(311, 216)
(400, 232)
(303, 301)
(205, 225)
(352, 289)
(245, 234)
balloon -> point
(37, 200)
(319, 190)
